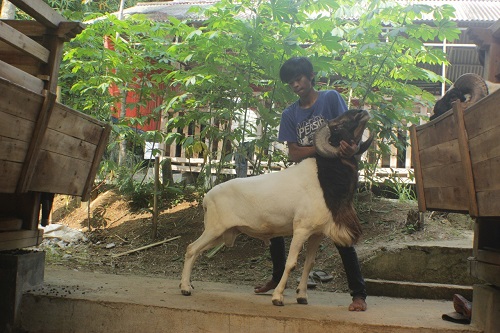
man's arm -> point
(297, 153)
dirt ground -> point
(116, 229)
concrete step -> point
(422, 290)
(74, 301)
(431, 270)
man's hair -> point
(295, 67)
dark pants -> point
(349, 258)
(46, 201)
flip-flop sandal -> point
(456, 317)
(321, 276)
(311, 284)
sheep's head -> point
(468, 88)
(349, 127)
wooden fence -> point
(395, 165)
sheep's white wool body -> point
(289, 202)
(272, 205)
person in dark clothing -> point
(297, 127)
(46, 201)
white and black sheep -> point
(308, 201)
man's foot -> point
(271, 284)
(358, 304)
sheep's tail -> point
(345, 229)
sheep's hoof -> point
(302, 300)
(186, 292)
(277, 302)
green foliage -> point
(139, 191)
(399, 188)
(214, 75)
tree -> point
(228, 66)
(373, 60)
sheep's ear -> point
(363, 146)
(473, 85)
(322, 142)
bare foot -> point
(358, 304)
(271, 284)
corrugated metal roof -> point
(465, 10)
(160, 11)
(469, 10)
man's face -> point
(301, 85)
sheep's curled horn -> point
(473, 85)
(329, 148)
(469, 84)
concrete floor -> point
(73, 301)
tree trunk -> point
(122, 154)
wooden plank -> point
(19, 101)
(487, 175)
(55, 45)
(488, 202)
(29, 28)
(483, 115)
(447, 198)
(25, 206)
(23, 43)
(15, 58)
(12, 150)
(463, 140)
(443, 176)
(486, 272)
(33, 239)
(193, 161)
(485, 146)
(10, 224)
(15, 128)
(417, 164)
(59, 174)
(66, 30)
(76, 124)
(441, 154)
(9, 175)
(19, 77)
(35, 142)
(40, 11)
(60, 143)
(197, 169)
(437, 131)
(69, 30)
(488, 257)
(103, 142)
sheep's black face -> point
(343, 131)
(445, 103)
(348, 127)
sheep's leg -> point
(206, 241)
(312, 248)
(298, 241)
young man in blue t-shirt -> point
(298, 124)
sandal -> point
(311, 284)
(321, 276)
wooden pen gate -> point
(44, 146)
(457, 168)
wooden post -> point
(155, 196)
(463, 143)
(419, 182)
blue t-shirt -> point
(299, 125)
